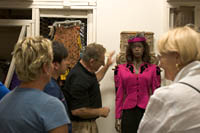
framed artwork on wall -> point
(125, 35)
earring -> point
(177, 66)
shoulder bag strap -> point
(190, 86)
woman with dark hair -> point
(135, 81)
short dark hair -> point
(146, 53)
(59, 51)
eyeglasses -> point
(159, 56)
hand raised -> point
(110, 60)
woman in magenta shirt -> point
(135, 81)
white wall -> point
(113, 17)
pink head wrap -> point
(137, 39)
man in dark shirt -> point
(82, 90)
(59, 67)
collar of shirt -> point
(188, 70)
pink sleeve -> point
(119, 92)
(156, 78)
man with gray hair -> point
(82, 89)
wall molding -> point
(184, 2)
(55, 4)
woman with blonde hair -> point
(27, 108)
(176, 108)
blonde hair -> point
(30, 54)
(182, 40)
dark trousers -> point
(131, 119)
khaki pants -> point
(84, 127)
